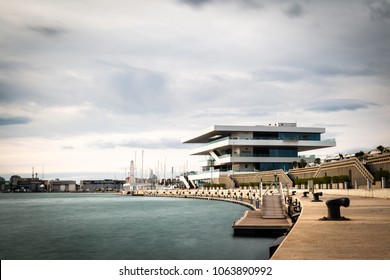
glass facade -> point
(275, 151)
(287, 136)
(266, 166)
(283, 152)
(299, 136)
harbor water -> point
(93, 226)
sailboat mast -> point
(142, 166)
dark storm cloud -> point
(294, 10)
(249, 4)
(14, 120)
(380, 9)
(48, 31)
(336, 105)
(196, 3)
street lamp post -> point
(275, 180)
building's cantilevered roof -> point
(219, 131)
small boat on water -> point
(129, 189)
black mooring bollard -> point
(294, 217)
(305, 194)
(316, 197)
(334, 208)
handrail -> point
(281, 194)
(356, 162)
(261, 193)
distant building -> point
(28, 185)
(101, 185)
(58, 185)
(3, 184)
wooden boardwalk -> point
(269, 221)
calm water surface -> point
(64, 226)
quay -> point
(363, 237)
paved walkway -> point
(364, 237)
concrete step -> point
(272, 207)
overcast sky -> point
(86, 85)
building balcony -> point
(302, 145)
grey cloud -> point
(10, 92)
(67, 147)
(336, 105)
(303, 72)
(294, 10)
(278, 74)
(196, 3)
(250, 4)
(48, 31)
(165, 143)
(138, 91)
(328, 125)
(11, 66)
(14, 120)
(380, 9)
(330, 70)
(16, 91)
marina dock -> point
(253, 224)
(270, 220)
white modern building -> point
(255, 148)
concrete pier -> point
(364, 237)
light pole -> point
(275, 180)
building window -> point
(299, 136)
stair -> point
(346, 162)
(236, 183)
(187, 182)
(272, 207)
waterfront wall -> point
(374, 193)
(247, 193)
